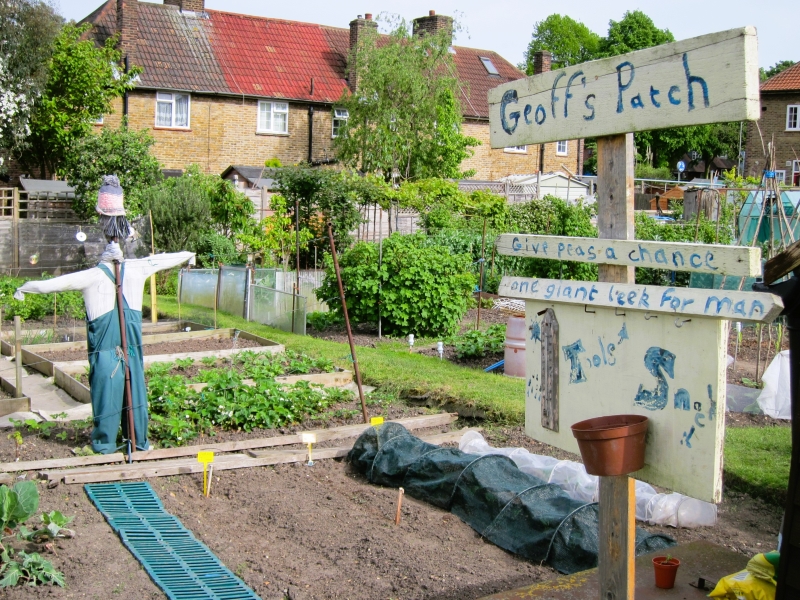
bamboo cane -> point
(127, 400)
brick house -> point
(220, 88)
(780, 117)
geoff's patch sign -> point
(708, 79)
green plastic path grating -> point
(182, 566)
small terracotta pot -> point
(612, 445)
(665, 571)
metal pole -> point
(380, 263)
(347, 323)
(216, 295)
(297, 259)
(480, 280)
(18, 355)
(127, 400)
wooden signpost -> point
(708, 79)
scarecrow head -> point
(112, 211)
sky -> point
(505, 26)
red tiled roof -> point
(785, 81)
(228, 53)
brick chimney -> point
(358, 28)
(541, 61)
(189, 5)
(128, 26)
(433, 24)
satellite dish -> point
(80, 236)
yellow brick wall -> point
(222, 132)
(772, 122)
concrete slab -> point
(45, 396)
(698, 559)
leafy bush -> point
(423, 289)
(477, 343)
(37, 306)
(645, 171)
(323, 320)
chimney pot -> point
(368, 16)
(360, 17)
(431, 13)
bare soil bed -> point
(299, 532)
(747, 356)
(188, 345)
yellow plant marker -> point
(206, 457)
(309, 438)
(376, 422)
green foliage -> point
(323, 196)
(123, 152)
(273, 163)
(424, 289)
(570, 42)
(405, 118)
(636, 31)
(274, 238)
(53, 527)
(479, 343)
(82, 80)
(17, 504)
(30, 569)
(645, 171)
(37, 306)
(778, 67)
(27, 31)
(323, 320)
(197, 212)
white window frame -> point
(339, 120)
(780, 176)
(275, 107)
(562, 144)
(516, 149)
(161, 98)
(795, 170)
(489, 65)
(793, 117)
(98, 120)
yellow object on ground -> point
(756, 582)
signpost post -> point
(681, 168)
(708, 79)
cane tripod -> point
(127, 401)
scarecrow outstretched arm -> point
(64, 283)
(160, 262)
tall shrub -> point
(423, 289)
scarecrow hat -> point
(110, 197)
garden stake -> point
(127, 399)
(347, 323)
(205, 457)
(309, 439)
(410, 342)
(480, 279)
(297, 260)
(210, 479)
(55, 313)
(153, 295)
(758, 354)
(18, 354)
(376, 422)
(400, 493)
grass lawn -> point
(393, 368)
(757, 461)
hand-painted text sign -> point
(707, 79)
(674, 256)
(714, 304)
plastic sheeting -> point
(775, 399)
(517, 511)
(652, 507)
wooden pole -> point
(153, 298)
(296, 286)
(617, 527)
(18, 355)
(480, 279)
(127, 398)
(356, 370)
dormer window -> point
(489, 65)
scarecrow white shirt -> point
(99, 292)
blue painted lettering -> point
(656, 361)
(644, 300)
(631, 257)
(571, 352)
(549, 290)
(738, 308)
(661, 257)
(699, 418)
(653, 93)
(515, 245)
(592, 293)
(756, 306)
(553, 97)
(723, 302)
(611, 348)
(526, 113)
(675, 257)
(682, 399)
(592, 254)
(671, 95)
(610, 254)
(620, 86)
(540, 112)
(567, 94)
(510, 97)
(693, 79)
(687, 437)
(523, 286)
(691, 261)
(709, 259)
(590, 107)
(579, 290)
(636, 101)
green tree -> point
(27, 31)
(778, 67)
(404, 117)
(82, 80)
(635, 31)
(123, 152)
(571, 42)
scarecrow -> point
(113, 282)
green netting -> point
(516, 511)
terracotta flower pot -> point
(665, 571)
(612, 445)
